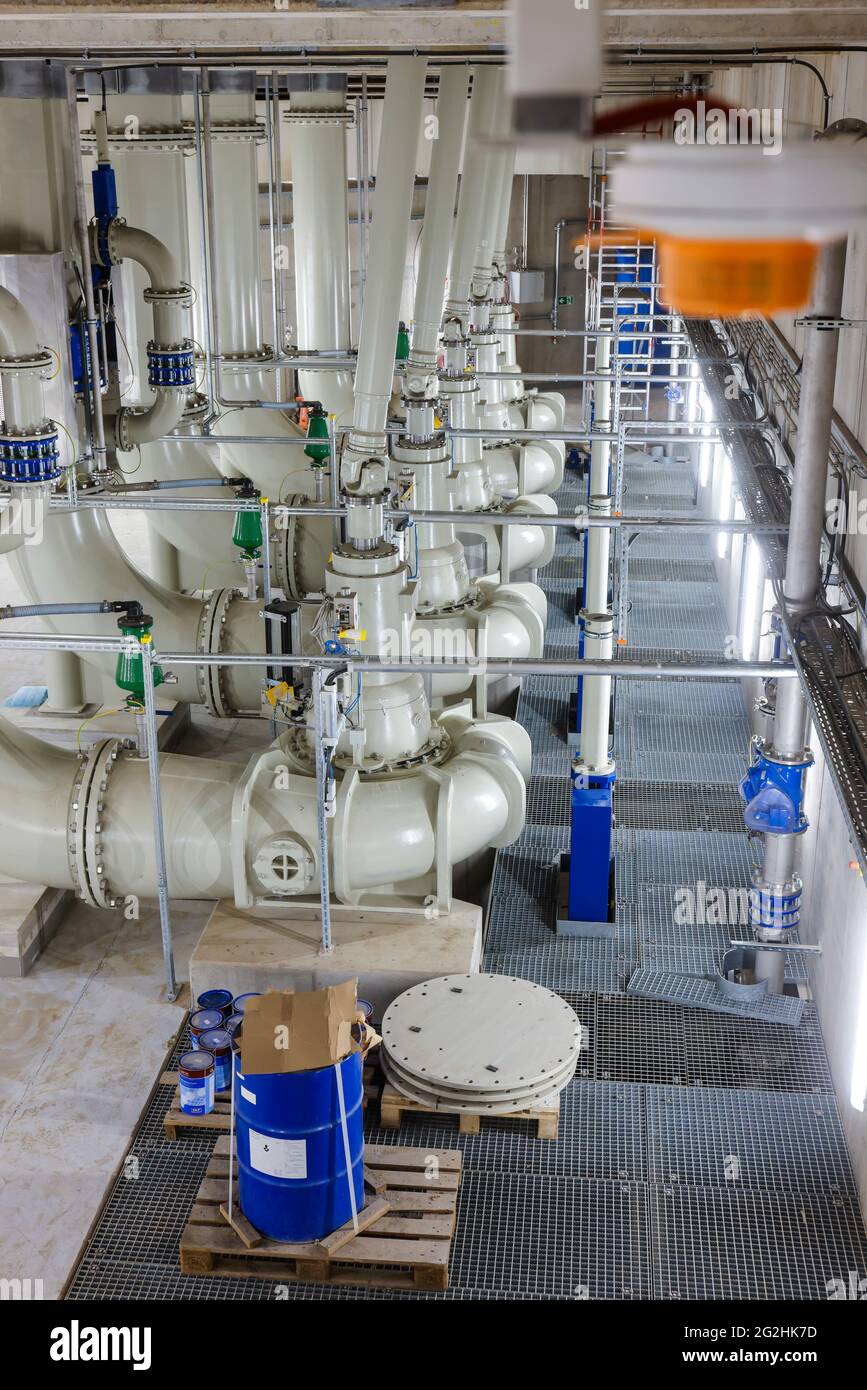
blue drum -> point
(292, 1179)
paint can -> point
(217, 999)
(233, 1024)
(219, 1043)
(240, 1001)
(196, 1083)
(202, 1021)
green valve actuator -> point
(317, 429)
(247, 531)
(401, 352)
(129, 672)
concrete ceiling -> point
(228, 27)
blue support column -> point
(590, 845)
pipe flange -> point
(40, 363)
(107, 236)
(246, 361)
(143, 139)
(470, 602)
(318, 116)
(233, 130)
(86, 821)
(766, 750)
(438, 749)
(211, 680)
(181, 295)
(196, 408)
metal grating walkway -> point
(700, 1155)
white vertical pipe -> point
(486, 81)
(395, 179)
(436, 234)
(598, 623)
(599, 537)
(320, 218)
(492, 195)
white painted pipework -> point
(599, 537)
(395, 178)
(170, 325)
(23, 412)
(385, 836)
(80, 560)
(317, 146)
(152, 194)
(451, 112)
(495, 169)
(598, 621)
(275, 471)
(487, 82)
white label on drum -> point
(279, 1158)
(248, 1095)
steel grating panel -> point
(662, 570)
(726, 768)
(597, 964)
(779, 1143)
(696, 993)
(712, 1242)
(728, 1051)
(658, 733)
(681, 699)
(553, 1236)
(548, 799)
(681, 859)
(601, 1136)
(691, 806)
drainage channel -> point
(699, 1155)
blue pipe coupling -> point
(773, 791)
(775, 906)
(172, 367)
(30, 458)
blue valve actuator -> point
(773, 794)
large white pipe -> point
(451, 114)
(395, 178)
(385, 837)
(483, 106)
(79, 560)
(317, 147)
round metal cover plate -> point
(481, 1034)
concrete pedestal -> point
(387, 950)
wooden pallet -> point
(219, 1118)
(405, 1241)
(393, 1105)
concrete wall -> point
(835, 899)
(550, 198)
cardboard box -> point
(286, 1032)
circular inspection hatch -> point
(480, 1040)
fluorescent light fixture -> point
(725, 506)
(751, 607)
(858, 1087)
(705, 461)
